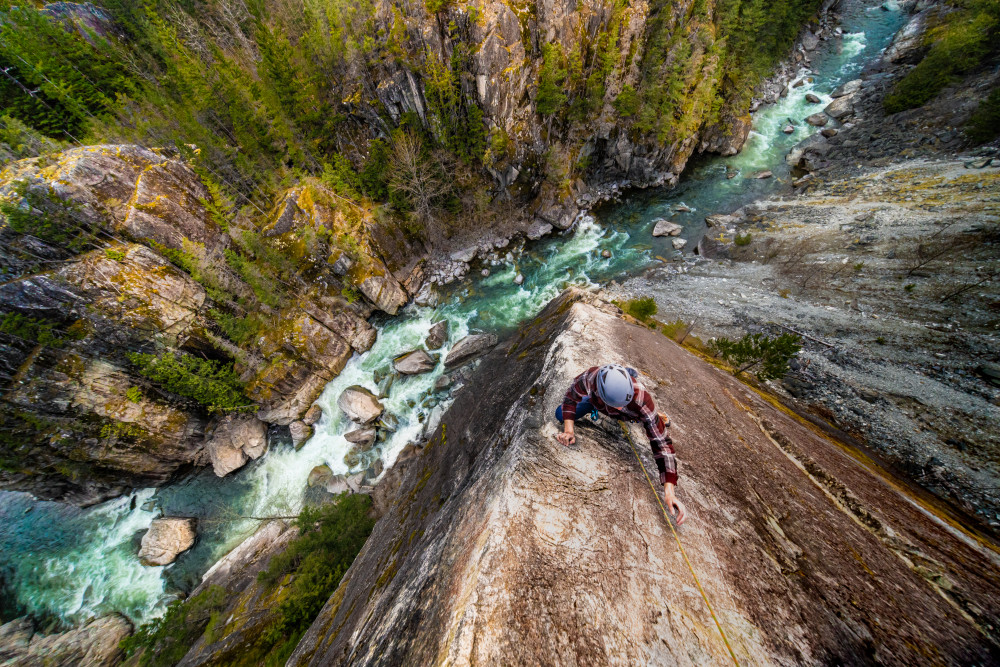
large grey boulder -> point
(166, 539)
(666, 228)
(468, 349)
(360, 405)
(414, 363)
(538, 229)
(300, 432)
(848, 88)
(364, 437)
(437, 336)
(236, 440)
(818, 119)
(840, 107)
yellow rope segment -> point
(628, 434)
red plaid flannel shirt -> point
(641, 409)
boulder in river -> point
(847, 89)
(829, 132)
(437, 336)
(300, 432)
(679, 243)
(818, 119)
(359, 404)
(319, 475)
(443, 383)
(465, 255)
(763, 174)
(363, 437)
(167, 538)
(840, 107)
(812, 99)
(683, 208)
(468, 349)
(236, 439)
(788, 129)
(313, 415)
(666, 228)
(606, 254)
(413, 363)
(519, 279)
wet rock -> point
(799, 83)
(388, 422)
(829, 132)
(812, 99)
(809, 41)
(818, 119)
(679, 243)
(373, 471)
(437, 336)
(166, 539)
(443, 383)
(359, 404)
(519, 279)
(235, 440)
(840, 107)
(538, 229)
(95, 644)
(666, 228)
(848, 88)
(606, 254)
(682, 208)
(301, 432)
(413, 363)
(362, 437)
(788, 129)
(468, 349)
(427, 296)
(763, 174)
(485, 273)
(319, 476)
(313, 415)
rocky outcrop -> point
(503, 545)
(666, 228)
(166, 539)
(437, 336)
(95, 643)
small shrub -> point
(880, 340)
(859, 266)
(31, 329)
(166, 640)
(641, 309)
(769, 355)
(117, 255)
(743, 240)
(134, 394)
(210, 383)
(239, 329)
(909, 287)
(671, 329)
(784, 292)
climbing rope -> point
(628, 435)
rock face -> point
(527, 552)
(363, 437)
(236, 440)
(666, 228)
(166, 539)
(95, 644)
(468, 349)
(360, 405)
(414, 363)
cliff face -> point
(503, 546)
(84, 251)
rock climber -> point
(613, 390)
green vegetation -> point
(743, 240)
(133, 394)
(770, 355)
(211, 383)
(166, 640)
(330, 538)
(961, 41)
(31, 329)
(985, 122)
(48, 217)
(641, 309)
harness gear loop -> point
(628, 435)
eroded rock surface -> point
(468, 349)
(94, 644)
(504, 546)
(234, 442)
(360, 405)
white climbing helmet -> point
(614, 385)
